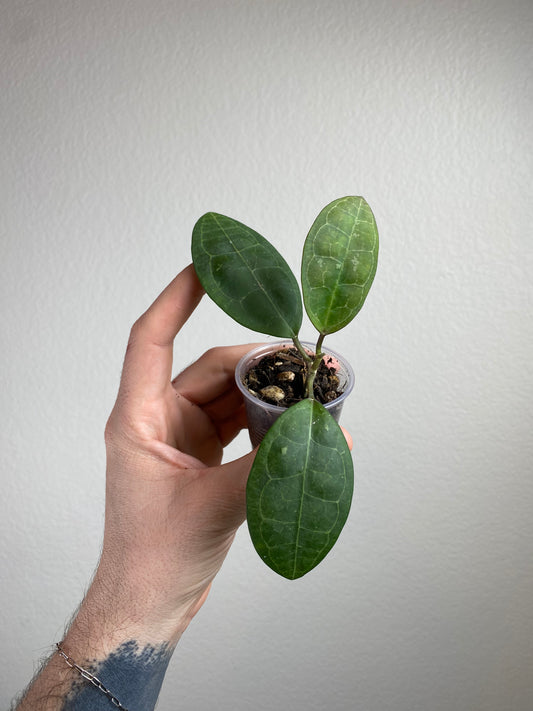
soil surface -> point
(279, 379)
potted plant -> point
(300, 486)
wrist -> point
(121, 606)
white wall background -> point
(121, 123)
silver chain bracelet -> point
(95, 681)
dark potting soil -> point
(279, 379)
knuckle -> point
(119, 433)
(110, 430)
(137, 328)
(214, 353)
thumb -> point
(229, 484)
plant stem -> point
(312, 363)
(313, 368)
(319, 343)
(301, 350)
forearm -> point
(120, 636)
(130, 675)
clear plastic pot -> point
(261, 415)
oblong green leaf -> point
(339, 262)
(299, 490)
(246, 276)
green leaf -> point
(246, 276)
(339, 263)
(299, 490)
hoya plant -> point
(300, 486)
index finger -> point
(212, 375)
(148, 362)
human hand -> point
(172, 509)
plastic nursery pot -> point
(261, 415)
